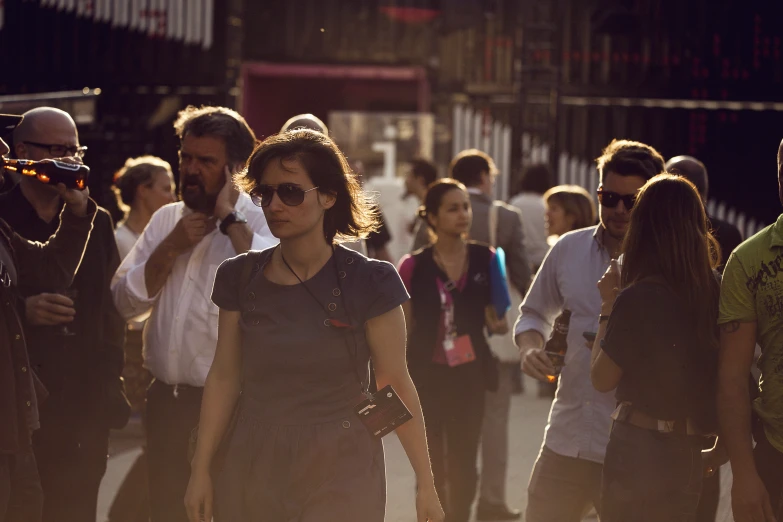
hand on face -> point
(227, 197)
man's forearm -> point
(734, 413)
(159, 266)
(529, 339)
(241, 237)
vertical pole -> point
(233, 59)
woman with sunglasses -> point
(657, 346)
(298, 326)
(455, 286)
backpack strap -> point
(252, 258)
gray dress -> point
(299, 453)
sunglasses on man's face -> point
(610, 199)
(291, 195)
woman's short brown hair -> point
(354, 214)
(576, 202)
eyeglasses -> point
(291, 195)
(612, 199)
(60, 151)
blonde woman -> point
(568, 207)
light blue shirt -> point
(579, 421)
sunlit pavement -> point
(528, 418)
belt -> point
(625, 412)
(177, 389)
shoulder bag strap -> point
(493, 224)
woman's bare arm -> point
(386, 337)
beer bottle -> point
(51, 172)
(557, 345)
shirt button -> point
(17, 337)
(28, 404)
(24, 369)
(251, 296)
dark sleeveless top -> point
(469, 306)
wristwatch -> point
(234, 217)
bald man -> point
(729, 237)
(75, 335)
(305, 121)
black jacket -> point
(81, 372)
(469, 307)
(53, 263)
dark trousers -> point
(710, 495)
(170, 419)
(21, 498)
(452, 401)
(71, 463)
(769, 464)
(561, 488)
(650, 476)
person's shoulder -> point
(103, 219)
(507, 209)
(367, 270)
(580, 237)
(758, 245)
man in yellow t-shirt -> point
(751, 311)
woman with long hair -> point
(657, 346)
(458, 289)
(298, 326)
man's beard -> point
(195, 197)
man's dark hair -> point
(536, 178)
(630, 158)
(691, 169)
(425, 170)
(220, 122)
(468, 165)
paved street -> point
(528, 419)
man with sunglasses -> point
(74, 334)
(566, 479)
(25, 263)
(169, 275)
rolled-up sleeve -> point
(543, 301)
(129, 286)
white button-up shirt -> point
(579, 421)
(181, 334)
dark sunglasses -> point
(612, 199)
(291, 195)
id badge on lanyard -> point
(458, 349)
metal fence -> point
(476, 129)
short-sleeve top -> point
(752, 291)
(650, 338)
(297, 369)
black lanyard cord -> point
(352, 354)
